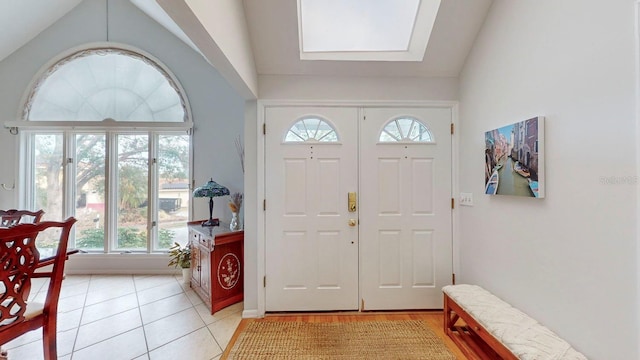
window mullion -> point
(28, 172)
(152, 233)
(111, 195)
(69, 176)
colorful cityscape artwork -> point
(514, 159)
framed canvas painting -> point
(514, 159)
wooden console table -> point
(217, 264)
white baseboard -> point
(251, 314)
(147, 264)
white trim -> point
(119, 264)
(261, 223)
(261, 216)
(96, 125)
(637, 98)
(251, 314)
(455, 188)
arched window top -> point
(311, 129)
(405, 129)
(106, 83)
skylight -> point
(383, 30)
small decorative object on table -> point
(234, 204)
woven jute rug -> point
(403, 339)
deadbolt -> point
(351, 203)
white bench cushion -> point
(522, 335)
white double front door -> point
(387, 248)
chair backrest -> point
(13, 217)
(19, 259)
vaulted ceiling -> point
(273, 33)
(273, 29)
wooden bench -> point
(486, 327)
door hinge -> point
(264, 129)
(453, 279)
(264, 205)
(453, 204)
(264, 281)
(452, 128)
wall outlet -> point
(466, 199)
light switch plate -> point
(466, 199)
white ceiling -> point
(273, 31)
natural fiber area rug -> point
(405, 339)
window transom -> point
(106, 83)
(405, 129)
(311, 129)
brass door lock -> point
(352, 202)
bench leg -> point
(450, 317)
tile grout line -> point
(144, 333)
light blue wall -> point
(218, 112)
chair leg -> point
(49, 340)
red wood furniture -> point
(472, 339)
(12, 217)
(19, 259)
(217, 264)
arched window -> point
(106, 83)
(311, 129)
(405, 129)
(103, 133)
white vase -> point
(234, 224)
(186, 276)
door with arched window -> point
(405, 202)
(393, 249)
(312, 252)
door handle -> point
(352, 222)
(351, 201)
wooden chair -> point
(12, 217)
(19, 257)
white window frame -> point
(28, 129)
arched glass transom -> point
(405, 129)
(106, 83)
(311, 129)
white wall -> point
(219, 29)
(569, 260)
(297, 87)
(217, 109)
(252, 207)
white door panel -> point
(311, 251)
(405, 213)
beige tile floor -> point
(116, 317)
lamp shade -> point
(210, 189)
